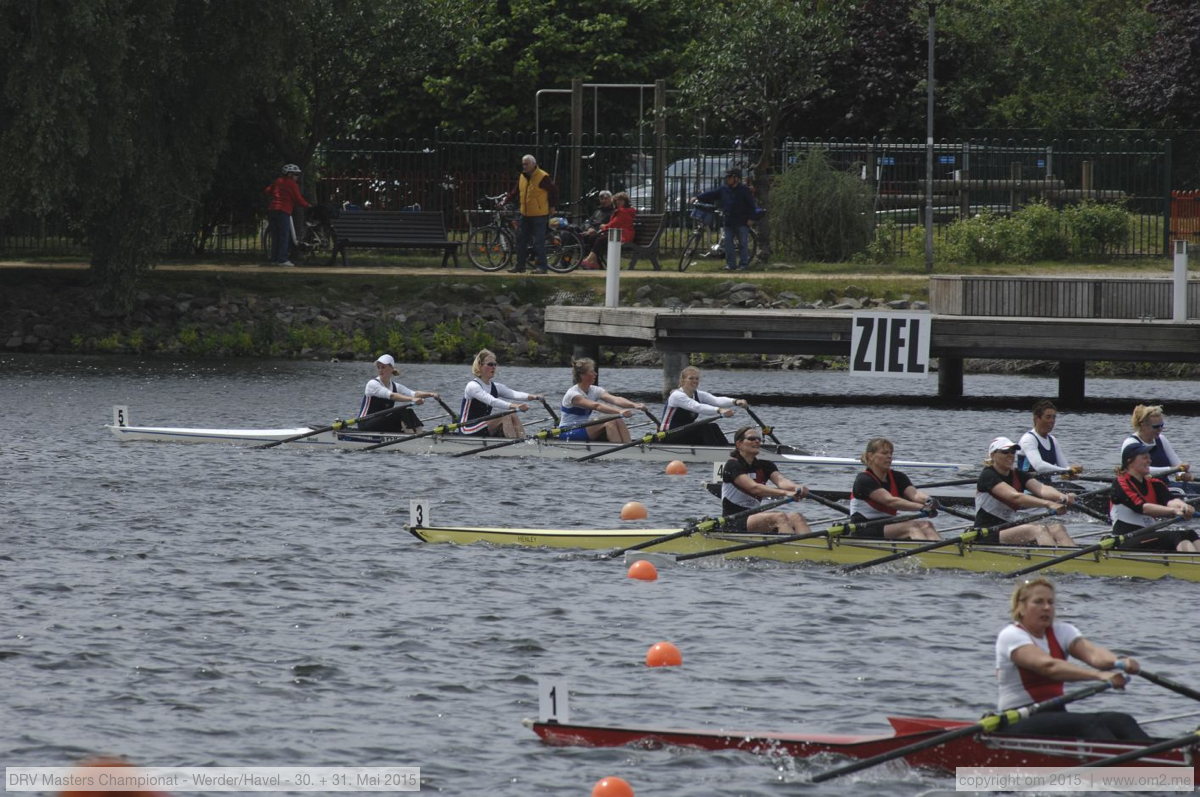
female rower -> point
(1148, 424)
(1031, 666)
(1138, 498)
(585, 397)
(687, 403)
(1000, 491)
(1040, 451)
(880, 491)
(382, 393)
(484, 396)
(744, 485)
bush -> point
(1096, 228)
(819, 212)
(1038, 232)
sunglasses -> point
(748, 437)
(1158, 426)
(489, 365)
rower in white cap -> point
(383, 392)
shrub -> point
(819, 212)
(1097, 228)
(1037, 232)
(979, 239)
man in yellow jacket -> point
(539, 198)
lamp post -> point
(929, 143)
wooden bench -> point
(393, 229)
(647, 227)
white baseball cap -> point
(1002, 444)
(387, 359)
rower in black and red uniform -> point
(1031, 666)
(880, 491)
(748, 480)
(1139, 500)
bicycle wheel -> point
(564, 250)
(692, 249)
(266, 240)
(488, 248)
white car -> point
(684, 179)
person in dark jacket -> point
(738, 208)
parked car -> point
(685, 178)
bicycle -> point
(490, 246)
(316, 234)
(707, 238)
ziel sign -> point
(890, 344)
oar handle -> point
(949, 483)
(553, 414)
(445, 406)
(823, 501)
(650, 415)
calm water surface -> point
(210, 605)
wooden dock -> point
(1028, 319)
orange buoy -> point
(105, 762)
(676, 468)
(663, 654)
(612, 787)
(642, 570)
(634, 510)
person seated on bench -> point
(382, 393)
(622, 219)
(598, 219)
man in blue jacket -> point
(738, 207)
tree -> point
(502, 53)
(759, 65)
(1160, 86)
(1045, 64)
(113, 113)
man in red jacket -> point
(284, 196)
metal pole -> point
(929, 146)
(1180, 313)
(612, 279)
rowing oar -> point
(701, 525)
(1105, 544)
(1187, 691)
(950, 483)
(443, 429)
(650, 415)
(542, 435)
(989, 724)
(1142, 752)
(336, 425)
(833, 531)
(654, 437)
(445, 406)
(965, 538)
(552, 413)
(769, 431)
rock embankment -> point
(448, 323)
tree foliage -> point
(1046, 64)
(113, 112)
(1161, 86)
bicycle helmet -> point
(291, 168)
